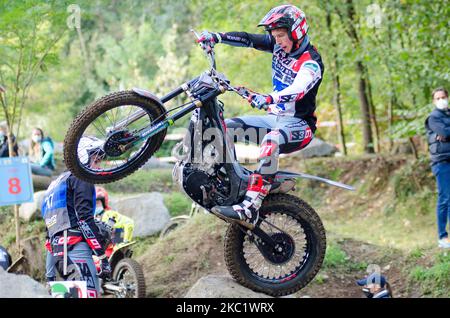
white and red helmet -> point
(289, 17)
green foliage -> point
(412, 179)
(416, 254)
(148, 44)
(334, 257)
(177, 203)
(145, 180)
(142, 244)
(435, 280)
(9, 239)
(28, 45)
(166, 148)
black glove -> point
(260, 101)
(105, 269)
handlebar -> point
(208, 48)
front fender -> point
(149, 95)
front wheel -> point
(104, 143)
(128, 274)
(301, 245)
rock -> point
(325, 277)
(148, 211)
(20, 286)
(41, 183)
(32, 210)
(214, 286)
(316, 148)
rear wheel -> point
(113, 123)
(128, 274)
(301, 244)
(174, 224)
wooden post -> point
(16, 217)
(16, 207)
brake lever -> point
(206, 48)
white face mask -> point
(442, 104)
(36, 138)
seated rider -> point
(73, 235)
(122, 224)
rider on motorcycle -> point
(297, 72)
(104, 213)
(68, 210)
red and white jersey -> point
(296, 76)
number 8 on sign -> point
(14, 186)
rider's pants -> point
(275, 134)
(81, 266)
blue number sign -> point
(16, 185)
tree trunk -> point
(373, 113)
(337, 102)
(365, 110)
(352, 21)
(413, 147)
(337, 88)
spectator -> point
(5, 258)
(4, 150)
(41, 153)
(438, 134)
(375, 286)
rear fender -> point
(123, 250)
(286, 178)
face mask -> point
(442, 104)
(98, 210)
(36, 138)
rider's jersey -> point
(296, 76)
(69, 204)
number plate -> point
(16, 185)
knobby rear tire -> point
(136, 270)
(238, 267)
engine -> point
(204, 182)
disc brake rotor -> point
(116, 142)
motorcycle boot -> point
(248, 210)
(259, 184)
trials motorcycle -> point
(278, 255)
